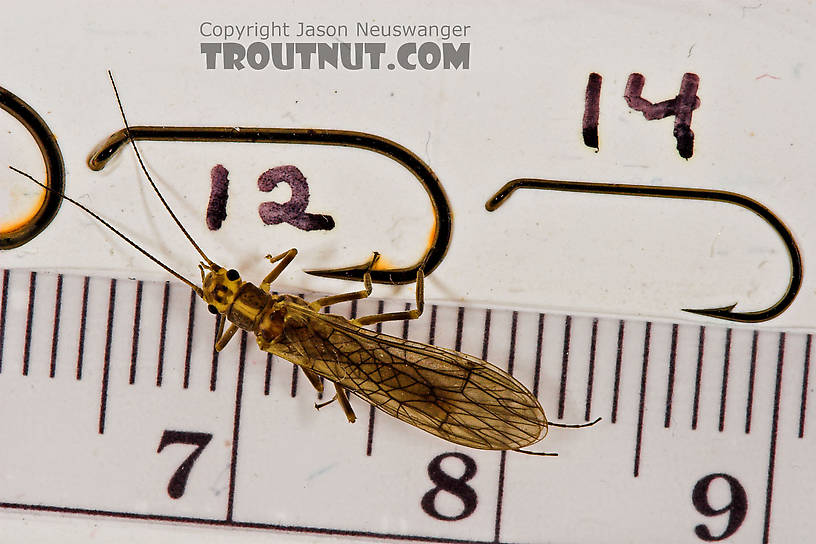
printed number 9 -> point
(736, 508)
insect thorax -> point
(247, 306)
(270, 326)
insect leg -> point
(398, 316)
(314, 379)
(320, 405)
(222, 342)
(285, 258)
(342, 398)
(346, 297)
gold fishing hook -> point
(54, 170)
(724, 312)
(443, 217)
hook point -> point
(389, 276)
(723, 312)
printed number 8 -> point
(455, 486)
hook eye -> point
(443, 218)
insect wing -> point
(452, 395)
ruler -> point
(113, 406)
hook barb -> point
(727, 197)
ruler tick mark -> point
(460, 323)
(499, 498)
(618, 358)
(432, 327)
(189, 351)
(370, 434)
(724, 392)
(591, 371)
(700, 352)
(32, 287)
(162, 334)
(326, 310)
(214, 362)
(539, 346)
(103, 401)
(55, 331)
(749, 404)
(511, 357)
(134, 342)
(371, 411)
(642, 405)
(293, 391)
(772, 448)
(82, 321)
(3, 306)
(295, 367)
(670, 382)
(486, 337)
(564, 363)
(406, 323)
(268, 374)
(239, 388)
(805, 372)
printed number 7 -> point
(179, 480)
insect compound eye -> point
(212, 309)
(232, 274)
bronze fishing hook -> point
(724, 312)
(54, 170)
(440, 238)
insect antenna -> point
(149, 178)
(563, 426)
(539, 453)
(573, 425)
(144, 252)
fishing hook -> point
(54, 170)
(724, 312)
(441, 236)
